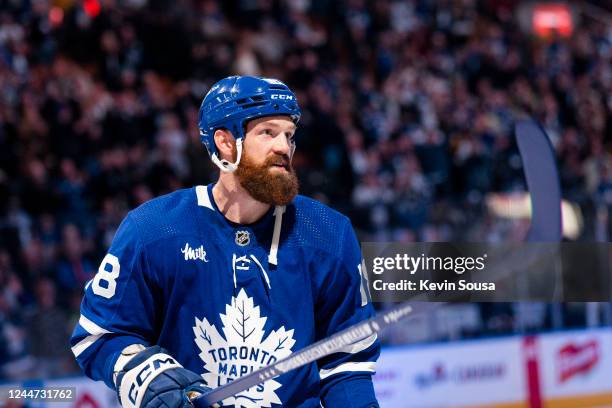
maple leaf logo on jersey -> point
(242, 350)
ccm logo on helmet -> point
(281, 96)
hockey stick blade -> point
(315, 351)
(542, 181)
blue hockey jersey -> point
(226, 299)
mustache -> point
(278, 160)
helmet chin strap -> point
(225, 165)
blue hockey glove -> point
(154, 379)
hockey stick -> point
(542, 177)
(315, 351)
(543, 183)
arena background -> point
(408, 112)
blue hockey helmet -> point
(235, 100)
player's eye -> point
(266, 131)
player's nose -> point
(281, 145)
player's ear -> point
(226, 145)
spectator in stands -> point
(48, 332)
(74, 269)
(14, 361)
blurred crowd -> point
(408, 111)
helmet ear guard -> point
(233, 101)
(225, 165)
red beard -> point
(274, 187)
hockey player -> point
(206, 284)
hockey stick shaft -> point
(542, 177)
(315, 351)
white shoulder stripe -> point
(360, 345)
(91, 328)
(82, 345)
(203, 198)
(369, 366)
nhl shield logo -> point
(242, 238)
